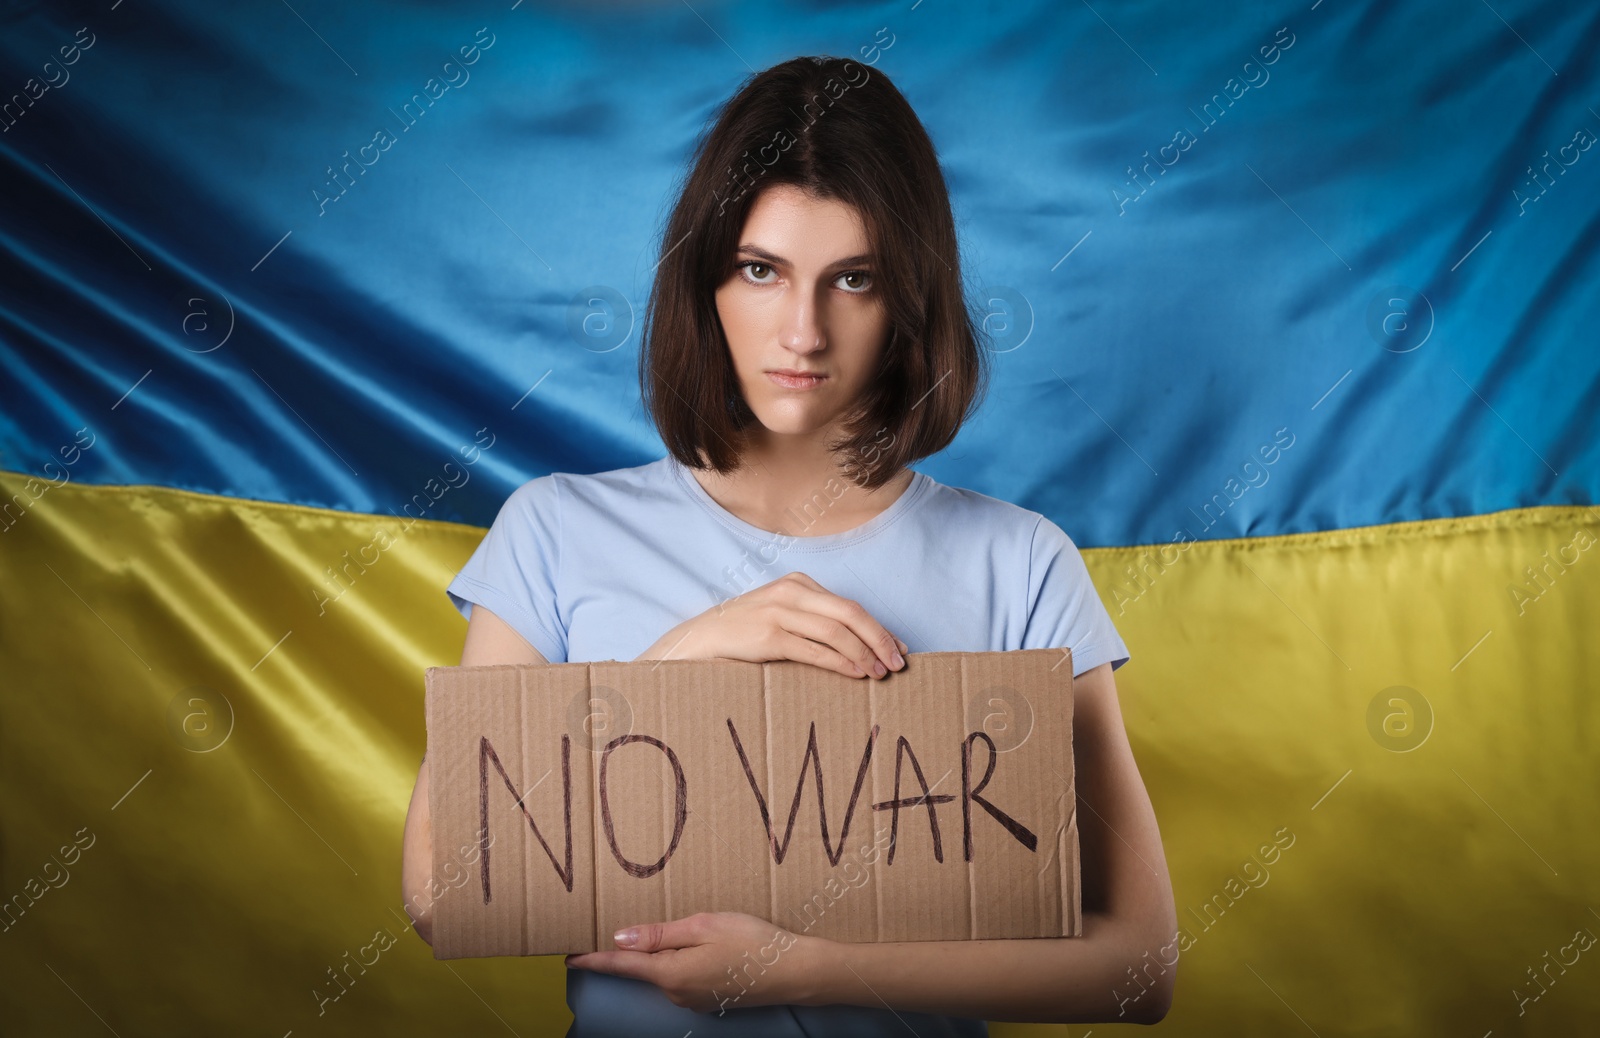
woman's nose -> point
(803, 334)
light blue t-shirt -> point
(598, 567)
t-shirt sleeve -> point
(1065, 610)
(513, 573)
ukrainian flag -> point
(1294, 317)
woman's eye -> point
(862, 281)
(855, 282)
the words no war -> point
(912, 791)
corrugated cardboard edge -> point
(1071, 907)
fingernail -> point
(626, 938)
(899, 661)
(878, 668)
(903, 646)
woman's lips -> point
(796, 381)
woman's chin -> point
(792, 423)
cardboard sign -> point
(569, 800)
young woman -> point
(807, 339)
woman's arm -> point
(490, 640)
(1121, 968)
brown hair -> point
(838, 130)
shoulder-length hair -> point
(836, 129)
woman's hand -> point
(713, 961)
(791, 618)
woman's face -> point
(802, 299)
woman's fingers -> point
(804, 650)
(794, 617)
(864, 628)
(834, 635)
